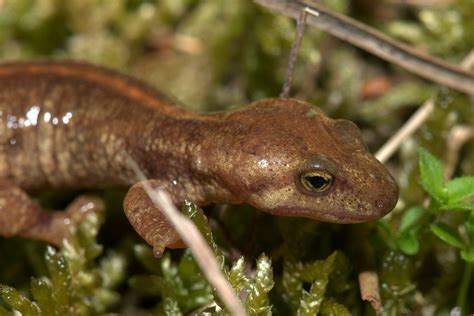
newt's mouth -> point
(338, 217)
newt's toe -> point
(81, 206)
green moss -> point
(181, 284)
(75, 283)
(257, 301)
(317, 274)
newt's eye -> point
(316, 180)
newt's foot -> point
(21, 216)
(53, 227)
(159, 248)
(148, 220)
(83, 205)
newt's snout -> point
(386, 201)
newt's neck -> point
(175, 150)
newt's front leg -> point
(21, 216)
(148, 220)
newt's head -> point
(286, 157)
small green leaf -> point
(384, 237)
(258, 302)
(196, 214)
(431, 172)
(291, 282)
(43, 295)
(468, 255)
(112, 269)
(331, 307)
(447, 234)
(379, 242)
(195, 291)
(193, 212)
(264, 273)
(319, 272)
(460, 189)
(60, 279)
(236, 275)
(408, 243)
(311, 301)
(469, 224)
(17, 301)
(458, 207)
(411, 219)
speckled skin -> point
(68, 124)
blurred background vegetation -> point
(216, 54)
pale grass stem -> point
(414, 122)
(190, 235)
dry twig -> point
(376, 43)
(294, 53)
(423, 3)
(414, 122)
(370, 289)
(410, 127)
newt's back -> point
(58, 121)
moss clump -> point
(182, 286)
(75, 283)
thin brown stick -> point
(294, 53)
(423, 3)
(414, 122)
(191, 236)
(376, 43)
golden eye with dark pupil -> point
(316, 180)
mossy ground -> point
(218, 54)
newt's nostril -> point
(386, 202)
(380, 203)
(383, 205)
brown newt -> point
(67, 124)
